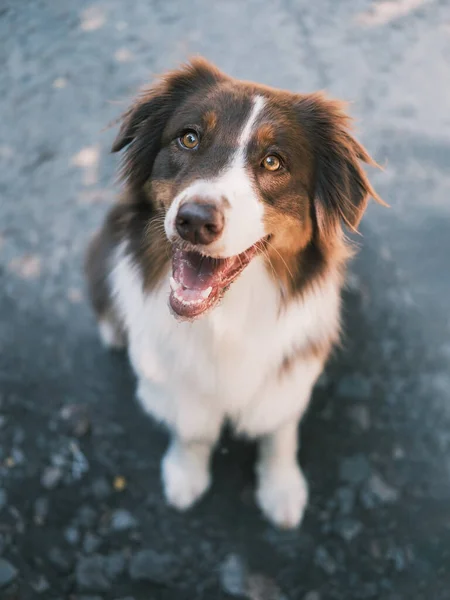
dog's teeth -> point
(174, 286)
(206, 292)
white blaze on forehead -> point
(246, 133)
(243, 211)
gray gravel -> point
(122, 520)
(91, 543)
(61, 560)
(72, 535)
(325, 560)
(51, 477)
(233, 575)
(312, 596)
(355, 469)
(148, 565)
(81, 508)
(91, 574)
(101, 488)
(348, 528)
(8, 573)
(381, 491)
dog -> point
(221, 267)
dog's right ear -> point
(142, 125)
(146, 105)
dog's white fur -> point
(194, 376)
(244, 211)
(226, 365)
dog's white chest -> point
(228, 358)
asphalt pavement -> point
(81, 510)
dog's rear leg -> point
(98, 265)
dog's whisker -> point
(281, 257)
(264, 251)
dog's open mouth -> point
(198, 282)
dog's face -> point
(239, 169)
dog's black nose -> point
(199, 223)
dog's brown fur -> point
(304, 212)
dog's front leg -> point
(186, 471)
(194, 424)
(282, 491)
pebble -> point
(41, 507)
(325, 561)
(122, 520)
(115, 564)
(361, 416)
(149, 565)
(384, 492)
(260, 587)
(18, 436)
(18, 456)
(91, 543)
(51, 477)
(101, 489)
(233, 575)
(79, 462)
(90, 574)
(60, 560)
(87, 516)
(120, 483)
(355, 469)
(368, 500)
(18, 518)
(398, 558)
(8, 573)
(77, 419)
(72, 535)
(59, 459)
(40, 584)
(313, 595)
(398, 453)
(345, 497)
(347, 528)
(354, 386)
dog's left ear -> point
(341, 189)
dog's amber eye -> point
(189, 140)
(271, 163)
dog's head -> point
(239, 169)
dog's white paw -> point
(185, 478)
(282, 495)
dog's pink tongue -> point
(198, 282)
(194, 271)
(195, 283)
